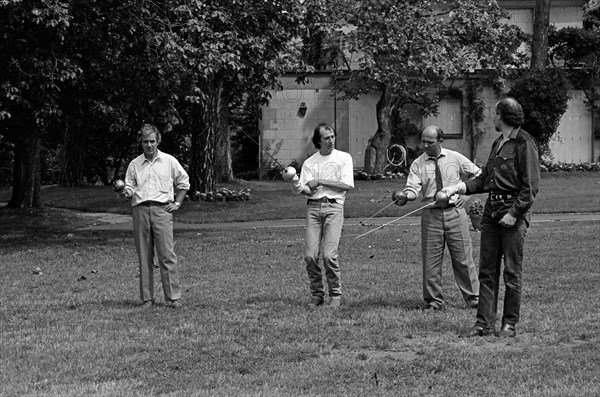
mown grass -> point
(559, 193)
(245, 330)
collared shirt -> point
(336, 166)
(454, 167)
(511, 169)
(155, 180)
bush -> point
(547, 166)
(222, 195)
(363, 176)
(544, 96)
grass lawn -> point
(75, 329)
(559, 192)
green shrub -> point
(544, 96)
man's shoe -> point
(477, 331)
(335, 302)
(316, 301)
(147, 304)
(174, 304)
(507, 331)
(433, 308)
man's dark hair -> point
(510, 111)
(316, 139)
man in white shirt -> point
(442, 225)
(156, 184)
(325, 178)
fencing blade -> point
(362, 223)
(395, 220)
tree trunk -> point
(223, 162)
(206, 128)
(539, 44)
(211, 147)
(376, 151)
(26, 172)
(72, 156)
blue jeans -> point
(498, 242)
(324, 223)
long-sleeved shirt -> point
(453, 166)
(511, 169)
(156, 180)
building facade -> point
(288, 121)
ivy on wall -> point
(475, 113)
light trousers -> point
(441, 227)
(153, 228)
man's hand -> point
(125, 193)
(450, 190)
(399, 198)
(313, 184)
(508, 220)
(460, 201)
(459, 188)
(172, 207)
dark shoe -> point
(335, 302)
(433, 308)
(316, 301)
(476, 331)
(147, 304)
(174, 304)
(507, 331)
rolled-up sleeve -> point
(181, 178)
(414, 182)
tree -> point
(127, 79)
(539, 43)
(228, 48)
(409, 49)
(33, 68)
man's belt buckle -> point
(498, 197)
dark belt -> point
(450, 205)
(499, 196)
(321, 200)
(152, 203)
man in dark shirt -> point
(511, 176)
